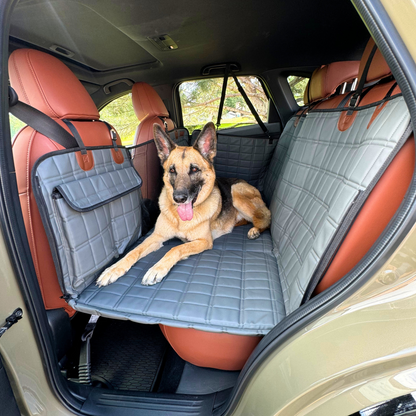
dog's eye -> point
(194, 169)
(172, 170)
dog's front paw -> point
(155, 274)
(110, 275)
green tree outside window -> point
(298, 85)
(200, 100)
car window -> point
(200, 100)
(298, 85)
(120, 114)
(15, 125)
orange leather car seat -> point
(45, 83)
(149, 109)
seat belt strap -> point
(75, 133)
(222, 100)
(40, 122)
(355, 97)
(252, 109)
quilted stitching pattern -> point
(238, 241)
(325, 171)
(279, 157)
(90, 191)
(182, 140)
(88, 241)
(244, 158)
(232, 288)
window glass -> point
(120, 114)
(298, 85)
(200, 100)
(15, 125)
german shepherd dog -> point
(195, 206)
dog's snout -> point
(180, 195)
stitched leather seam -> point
(150, 103)
(39, 86)
(141, 107)
(20, 79)
(85, 116)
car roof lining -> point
(109, 39)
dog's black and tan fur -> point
(195, 206)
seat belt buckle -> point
(352, 104)
(84, 366)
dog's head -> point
(189, 175)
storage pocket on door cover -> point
(87, 239)
(91, 217)
(96, 220)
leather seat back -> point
(45, 83)
(150, 110)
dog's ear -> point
(206, 143)
(164, 144)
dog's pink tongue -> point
(185, 211)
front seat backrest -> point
(149, 109)
(45, 83)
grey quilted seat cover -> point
(244, 153)
(246, 287)
(325, 171)
(244, 158)
(92, 216)
(232, 288)
(180, 137)
(279, 156)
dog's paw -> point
(155, 274)
(110, 275)
(253, 233)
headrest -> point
(378, 68)
(146, 102)
(47, 84)
(326, 79)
